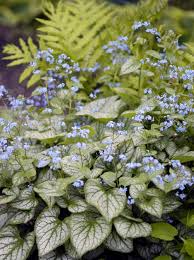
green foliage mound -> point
(101, 157)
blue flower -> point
(78, 184)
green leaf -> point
(110, 203)
(186, 157)
(189, 247)
(50, 231)
(131, 65)
(153, 206)
(25, 74)
(88, 232)
(163, 257)
(163, 231)
(104, 108)
(25, 201)
(116, 243)
(12, 246)
(10, 195)
(129, 229)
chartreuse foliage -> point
(80, 28)
(101, 157)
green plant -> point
(68, 28)
(102, 157)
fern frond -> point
(150, 9)
(22, 55)
(75, 27)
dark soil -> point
(9, 75)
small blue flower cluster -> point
(139, 24)
(6, 150)
(3, 91)
(133, 165)
(78, 184)
(108, 153)
(145, 24)
(170, 103)
(118, 49)
(151, 165)
(118, 127)
(78, 132)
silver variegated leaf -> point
(77, 206)
(170, 204)
(130, 229)
(3, 215)
(116, 243)
(137, 189)
(70, 249)
(88, 232)
(10, 195)
(17, 217)
(110, 203)
(25, 201)
(55, 256)
(50, 231)
(154, 206)
(104, 108)
(12, 246)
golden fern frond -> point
(150, 9)
(75, 27)
(22, 55)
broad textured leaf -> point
(10, 195)
(54, 188)
(163, 257)
(12, 246)
(131, 65)
(189, 247)
(129, 229)
(77, 206)
(170, 204)
(20, 216)
(137, 190)
(163, 231)
(50, 231)
(25, 201)
(55, 256)
(88, 232)
(115, 243)
(153, 206)
(186, 157)
(110, 203)
(104, 108)
(3, 215)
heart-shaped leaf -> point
(163, 231)
(50, 231)
(25, 201)
(12, 246)
(153, 206)
(104, 108)
(116, 243)
(129, 229)
(110, 203)
(88, 232)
